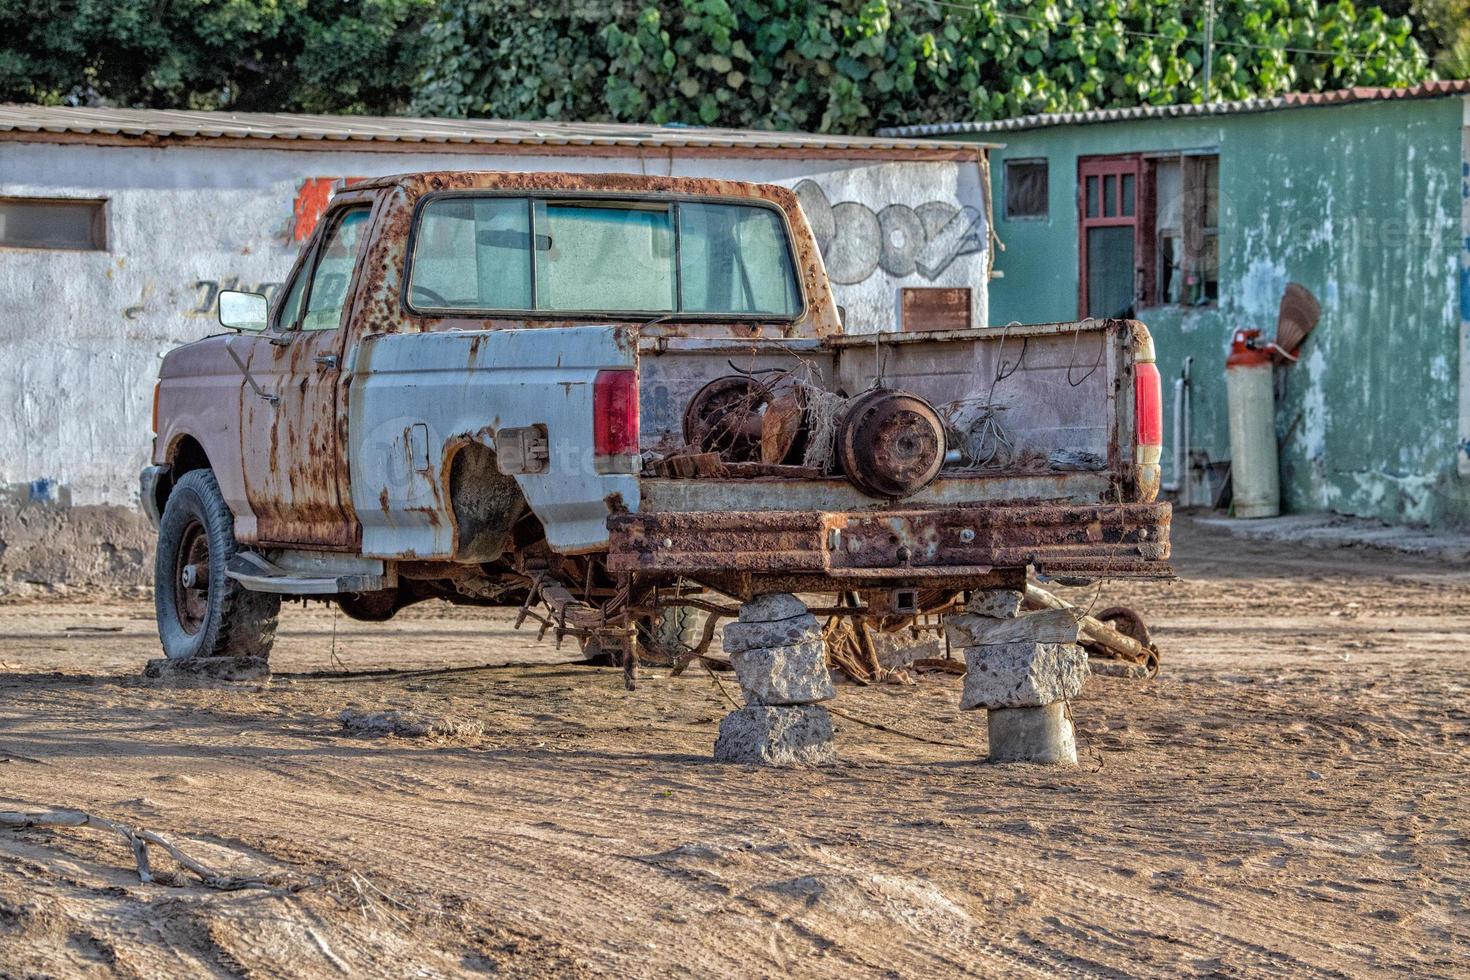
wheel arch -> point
(184, 454)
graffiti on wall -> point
(902, 241)
(208, 290)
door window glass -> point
(1110, 271)
(333, 272)
(291, 306)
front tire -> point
(202, 612)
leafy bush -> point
(261, 55)
(856, 66)
(825, 65)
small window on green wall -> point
(1026, 190)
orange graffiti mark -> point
(312, 197)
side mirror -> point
(243, 311)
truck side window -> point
(291, 308)
(333, 272)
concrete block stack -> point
(1022, 669)
(780, 661)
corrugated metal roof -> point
(119, 125)
(1293, 100)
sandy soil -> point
(1290, 796)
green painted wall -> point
(1359, 203)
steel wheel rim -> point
(191, 604)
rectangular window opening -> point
(56, 223)
(1027, 186)
(1149, 232)
(1184, 267)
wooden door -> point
(1108, 245)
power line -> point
(1283, 49)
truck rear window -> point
(494, 254)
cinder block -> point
(795, 674)
(739, 637)
(996, 603)
(772, 608)
(1041, 735)
(790, 736)
(1022, 675)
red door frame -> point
(1102, 167)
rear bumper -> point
(1113, 540)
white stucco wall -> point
(82, 332)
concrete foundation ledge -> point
(777, 736)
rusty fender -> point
(1119, 540)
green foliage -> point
(1442, 27)
(856, 65)
(825, 65)
(280, 55)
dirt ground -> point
(1290, 796)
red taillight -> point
(1148, 404)
(156, 385)
(615, 413)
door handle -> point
(326, 360)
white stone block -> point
(1022, 675)
(800, 735)
(996, 603)
(771, 608)
(795, 674)
(739, 637)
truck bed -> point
(1073, 492)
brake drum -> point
(890, 443)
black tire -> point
(221, 618)
(671, 635)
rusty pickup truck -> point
(601, 398)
